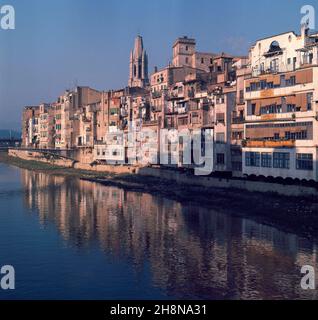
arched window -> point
(274, 47)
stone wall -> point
(107, 168)
(179, 178)
(42, 157)
(254, 186)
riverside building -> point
(260, 111)
(281, 113)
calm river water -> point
(72, 239)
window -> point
(220, 138)
(280, 125)
(291, 81)
(266, 160)
(183, 121)
(202, 60)
(272, 109)
(274, 65)
(253, 86)
(114, 111)
(220, 117)
(301, 135)
(281, 160)
(263, 84)
(241, 96)
(282, 81)
(195, 118)
(187, 60)
(304, 161)
(309, 101)
(291, 108)
(220, 158)
(237, 135)
(253, 108)
(252, 159)
(275, 47)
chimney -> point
(304, 30)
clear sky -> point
(60, 43)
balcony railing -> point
(282, 68)
(170, 110)
(150, 122)
(156, 108)
(156, 94)
(238, 120)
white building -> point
(281, 128)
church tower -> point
(138, 67)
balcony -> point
(238, 120)
(191, 94)
(156, 109)
(123, 113)
(240, 101)
(256, 72)
(156, 95)
(175, 96)
(268, 143)
(182, 110)
(170, 110)
(169, 123)
(150, 123)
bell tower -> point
(138, 67)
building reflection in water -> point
(192, 252)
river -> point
(73, 239)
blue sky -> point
(59, 43)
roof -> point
(276, 35)
(185, 39)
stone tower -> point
(138, 67)
(183, 52)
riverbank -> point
(297, 214)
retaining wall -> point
(41, 157)
(179, 178)
(184, 179)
